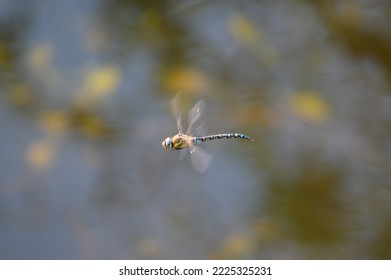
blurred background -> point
(85, 90)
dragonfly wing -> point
(182, 153)
(177, 114)
(196, 125)
(200, 159)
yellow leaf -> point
(351, 13)
(235, 246)
(93, 126)
(54, 121)
(19, 95)
(149, 247)
(310, 106)
(40, 56)
(243, 30)
(102, 81)
(185, 80)
(5, 54)
(40, 154)
(266, 230)
(152, 22)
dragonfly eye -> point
(167, 143)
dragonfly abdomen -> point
(198, 140)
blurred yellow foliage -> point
(54, 121)
(149, 247)
(249, 34)
(185, 80)
(40, 154)
(93, 126)
(40, 56)
(235, 246)
(3, 51)
(19, 95)
(265, 230)
(5, 55)
(310, 106)
(251, 113)
(101, 81)
(151, 22)
(351, 13)
(243, 30)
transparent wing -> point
(177, 114)
(183, 153)
(196, 125)
(200, 159)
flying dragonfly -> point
(190, 140)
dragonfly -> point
(190, 140)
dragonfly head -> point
(167, 144)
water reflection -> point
(85, 93)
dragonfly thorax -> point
(178, 142)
